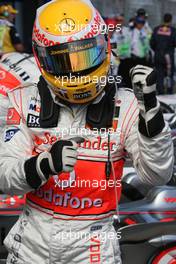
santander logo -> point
(96, 144)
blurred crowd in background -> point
(135, 43)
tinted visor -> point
(72, 57)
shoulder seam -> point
(19, 87)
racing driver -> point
(70, 135)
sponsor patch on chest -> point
(33, 121)
(33, 113)
(34, 105)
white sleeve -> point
(152, 157)
(4, 104)
(15, 148)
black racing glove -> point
(61, 158)
(151, 121)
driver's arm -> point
(148, 141)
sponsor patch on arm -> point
(13, 117)
(10, 133)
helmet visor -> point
(72, 57)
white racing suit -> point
(15, 69)
(69, 218)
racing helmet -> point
(72, 49)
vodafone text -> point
(68, 200)
(41, 37)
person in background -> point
(163, 43)
(9, 37)
(142, 14)
(131, 23)
(139, 43)
(122, 39)
(111, 23)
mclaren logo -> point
(67, 25)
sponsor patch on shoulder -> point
(10, 133)
(13, 117)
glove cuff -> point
(32, 176)
(150, 101)
(37, 170)
(153, 127)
